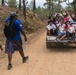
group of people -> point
(61, 26)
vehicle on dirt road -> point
(50, 40)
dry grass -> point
(32, 23)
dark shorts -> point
(12, 46)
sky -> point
(64, 4)
(41, 2)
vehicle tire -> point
(75, 44)
(48, 45)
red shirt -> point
(67, 27)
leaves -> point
(74, 4)
(12, 3)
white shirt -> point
(61, 28)
(70, 18)
(71, 29)
(49, 27)
(58, 25)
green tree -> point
(34, 7)
(31, 5)
(24, 8)
(57, 8)
(3, 2)
(12, 3)
(74, 4)
(69, 9)
(41, 12)
(19, 4)
(50, 4)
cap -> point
(12, 13)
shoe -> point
(25, 59)
(55, 40)
(58, 40)
(9, 66)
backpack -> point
(10, 29)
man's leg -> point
(72, 35)
(55, 32)
(9, 60)
(51, 32)
(58, 36)
(24, 59)
(48, 32)
(21, 53)
(67, 34)
(63, 37)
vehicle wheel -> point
(48, 45)
(75, 44)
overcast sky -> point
(41, 2)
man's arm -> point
(23, 33)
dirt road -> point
(60, 60)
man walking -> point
(12, 30)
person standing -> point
(12, 30)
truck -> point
(50, 40)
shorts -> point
(60, 33)
(12, 45)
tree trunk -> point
(34, 8)
(19, 4)
(3, 2)
(24, 9)
(49, 7)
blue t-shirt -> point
(18, 25)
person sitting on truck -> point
(53, 18)
(66, 18)
(61, 32)
(74, 16)
(70, 32)
(59, 17)
(57, 24)
(51, 28)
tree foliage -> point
(74, 4)
(53, 5)
(42, 12)
(12, 3)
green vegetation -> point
(12, 3)
(73, 4)
(32, 17)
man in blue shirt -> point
(15, 44)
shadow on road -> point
(63, 48)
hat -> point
(12, 14)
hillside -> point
(31, 24)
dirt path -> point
(42, 61)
